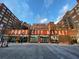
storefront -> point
(18, 39)
(65, 39)
(44, 38)
(34, 38)
(54, 39)
(5, 38)
(12, 39)
(39, 39)
(23, 39)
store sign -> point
(39, 32)
(44, 32)
(18, 32)
(34, 32)
(59, 32)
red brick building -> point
(70, 21)
(66, 30)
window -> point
(77, 6)
(78, 13)
(76, 21)
(4, 7)
(10, 21)
(0, 18)
(0, 15)
(77, 10)
(5, 19)
(12, 15)
(72, 12)
(1, 26)
(0, 4)
(8, 11)
(9, 24)
(74, 16)
(3, 10)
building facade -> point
(70, 21)
(62, 31)
(7, 19)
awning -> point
(34, 36)
(44, 35)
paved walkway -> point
(39, 51)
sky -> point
(39, 11)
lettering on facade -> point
(40, 32)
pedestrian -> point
(21, 40)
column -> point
(17, 39)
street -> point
(39, 51)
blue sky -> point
(39, 11)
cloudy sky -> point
(39, 11)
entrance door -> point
(23, 39)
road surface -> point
(39, 51)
